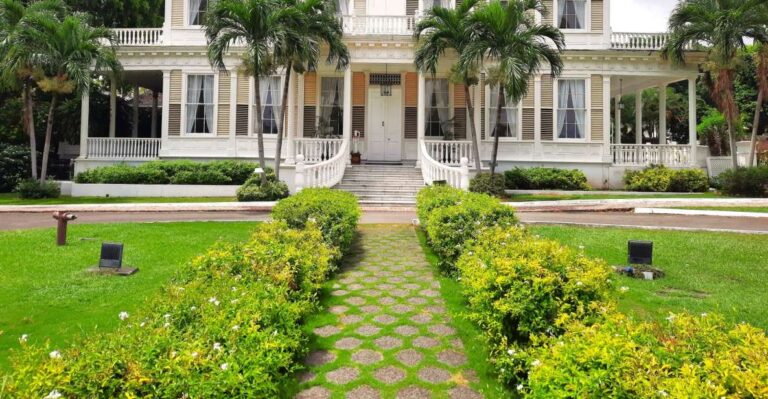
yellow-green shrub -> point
(433, 197)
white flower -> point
(624, 289)
(511, 352)
(234, 301)
(166, 325)
(520, 387)
(216, 346)
(581, 247)
(235, 327)
(214, 301)
(224, 366)
(536, 363)
(53, 395)
(23, 338)
(194, 354)
(703, 315)
(167, 316)
(193, 308)
(142, 324)
(579, 283)
(55, 355)
(174, 353)
(671, 318)
(234, 289)
(663, 393)
(123, 316)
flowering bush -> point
(519, 287)
(546, 179)
(662, 179)
(433, 197)
(486, 183)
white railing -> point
(324, 174)
(378, 25)
(139, 36)
(434, 171)
(123, 148)
(450, 152)
(638, 41)
(317, 150)
(650, 154)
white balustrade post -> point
(692, 136)
(663, 114)
(348, 109)
(639, 117)
(464, 174)
(85, 112)
(420, 117)
(300, 169)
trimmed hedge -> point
(253, 190)
(745, 182)
(33, 189)
(15, 165)
(230, 325)
(546, 179)
(661, 179)
(171, 172)
(485, 183)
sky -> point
(640, 15)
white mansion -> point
(383, 108)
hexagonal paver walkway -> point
(384, 332)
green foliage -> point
(15, 166)
(34, 189)
(745, 182)
(713, 129)
(687, 357)
(661, 179)
(485, 183)
(546, 179)
(171, 172)
(520, 287)
(431, 198)
(335, 212)
(270, 191)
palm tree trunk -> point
(732, 141)
(495, 154)
(755, 126)
(48, 134)
(472, 130)
(259, 132)
(283, 107)
(29, 125)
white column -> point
(607, 118)
(300, 108)
(663, 114)
(112, 107)
(153, 129)
(639, 117)
(617, 127)
(167, 25)
(85, 113)
(538, 149)
(420, 117)
(692, 137)
(135, 124)
(233, 112)
(164, 125)
(290, 157)
(348, 111)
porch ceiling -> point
(152, 80)
(630, 84)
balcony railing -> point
(649, 154)
(139, 36)
(123, 148)
(378, 25)
(450, 152)
(317, 150)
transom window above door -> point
(572, 14)
(196, 12)
(571, 109)
(200, 104)
(438, 112)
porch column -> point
(692, 136)
(135, 127)
(617, 120)
(607, 154)
(290, 158)
(165, 123)
(420, 117)
(85, 113)
(663, 114)
(348, 110)
(112, 107)
(537, 147)
(233, 112)
(153, 129)
(639, 117)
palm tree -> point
(258, 25)
(442, 30)
(68, 51)
(508, 37)
(17, 70)
(722, 26)
(761, 53)
(313, 25)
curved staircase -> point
(383, 184)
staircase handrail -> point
(432, 170)
(323, 174)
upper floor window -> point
(342, 7)
(271, 98)
(571, 109)
(508, 125)
(197, 11)
(572, 14)
(199, 104)
(428, 4)
(438, 107)
(331, 107)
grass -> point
(705, 272)
(13, 199)
(46, 293)
(618, 195)
(729, 209)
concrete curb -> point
(596, 192)
(634, 227)
(699, 212)
(631, 204)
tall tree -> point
(312, 26)
(122, 13)
(18, 69)
(722, 26)
(258, 25)
(68, 51)
(516, 46)
(761, 50)
(445, 30)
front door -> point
(386, 7)
(385, 125)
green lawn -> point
(13, 199)
(706, 272)
(618, 195)
(46, 293)
(729, 209)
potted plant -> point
(356, 159)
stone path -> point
(386, 332)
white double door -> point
(386, 7)
(385, 125)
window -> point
(342, 7)
(438, 111)
(571, 109)
(331, 107)
(271, 97)
(508, 127)
(572, 14)
(199, 104)
(428, 4)
(197, 11)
